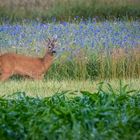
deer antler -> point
(51, 42)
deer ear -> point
(48, 41)
(54, 40)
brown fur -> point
(11, 64)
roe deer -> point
(34, 67)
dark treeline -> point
(67, 10)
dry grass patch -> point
(48, 88)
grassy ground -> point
(48, 88)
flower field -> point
(81, 34)
(86, 49)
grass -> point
(44, 10)
(110, 114)
(49, 87)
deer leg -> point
(38, 77)
(4, 76)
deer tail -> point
(0, 65)
(0, 62)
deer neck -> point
(48, 60)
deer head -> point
(51, 46)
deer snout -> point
(53, 50)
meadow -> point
(91, 92)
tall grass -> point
(68, 9)
(106, 64)
(103, 115)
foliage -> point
(112, 114)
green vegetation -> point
(68, 9)
(111, 114)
